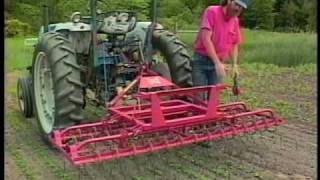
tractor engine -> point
(114, 70)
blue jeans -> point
(203, 72)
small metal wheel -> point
(24, 94)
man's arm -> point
(235, 52)
(206, 36)
(235, 60)
(235, 55)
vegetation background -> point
(23, 17)
(278, 71)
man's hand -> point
(220, 69)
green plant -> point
(14, 28)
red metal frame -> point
(166, 118)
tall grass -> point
(17, 56)
(283, 49)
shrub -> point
(15, 27)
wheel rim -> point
(44, 96)
(21, 98)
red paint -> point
(163, 121)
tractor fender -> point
(140, 31)
(70, 26)
(78, 33)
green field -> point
(283, 49)
(17, 56)
(278, 71)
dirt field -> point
(288, 152)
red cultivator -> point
(160, 116)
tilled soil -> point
(287, 152)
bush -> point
(15, 28)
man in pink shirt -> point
(218, 39)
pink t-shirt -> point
(226, 32)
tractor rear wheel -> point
(176, 55)
(57, 88)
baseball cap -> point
(243, 3)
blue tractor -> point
(98, 55)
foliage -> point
(64, 9)
(279, 15)
(296, 15)
(27, 13)
(15, 27)
(260, 15)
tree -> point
(311, 7)
(260, 15)
(294, 15)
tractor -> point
(112, 56)
(101, 53)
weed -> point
(137, 178)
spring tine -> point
(81, 172)
(102, 168)
(281, 141)
(138, 165)
(95, 131)
(64, 165)
(122, 170)
(113, 166)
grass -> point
(22, 164)
(283, 49)
(288, 90)
(17, 56)
(44, 153)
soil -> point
(287, 152)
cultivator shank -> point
(160, 119)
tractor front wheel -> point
(57, 88)
(24, 94)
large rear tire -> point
(57, 88)
(176, 55)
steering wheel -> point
(116, 22)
